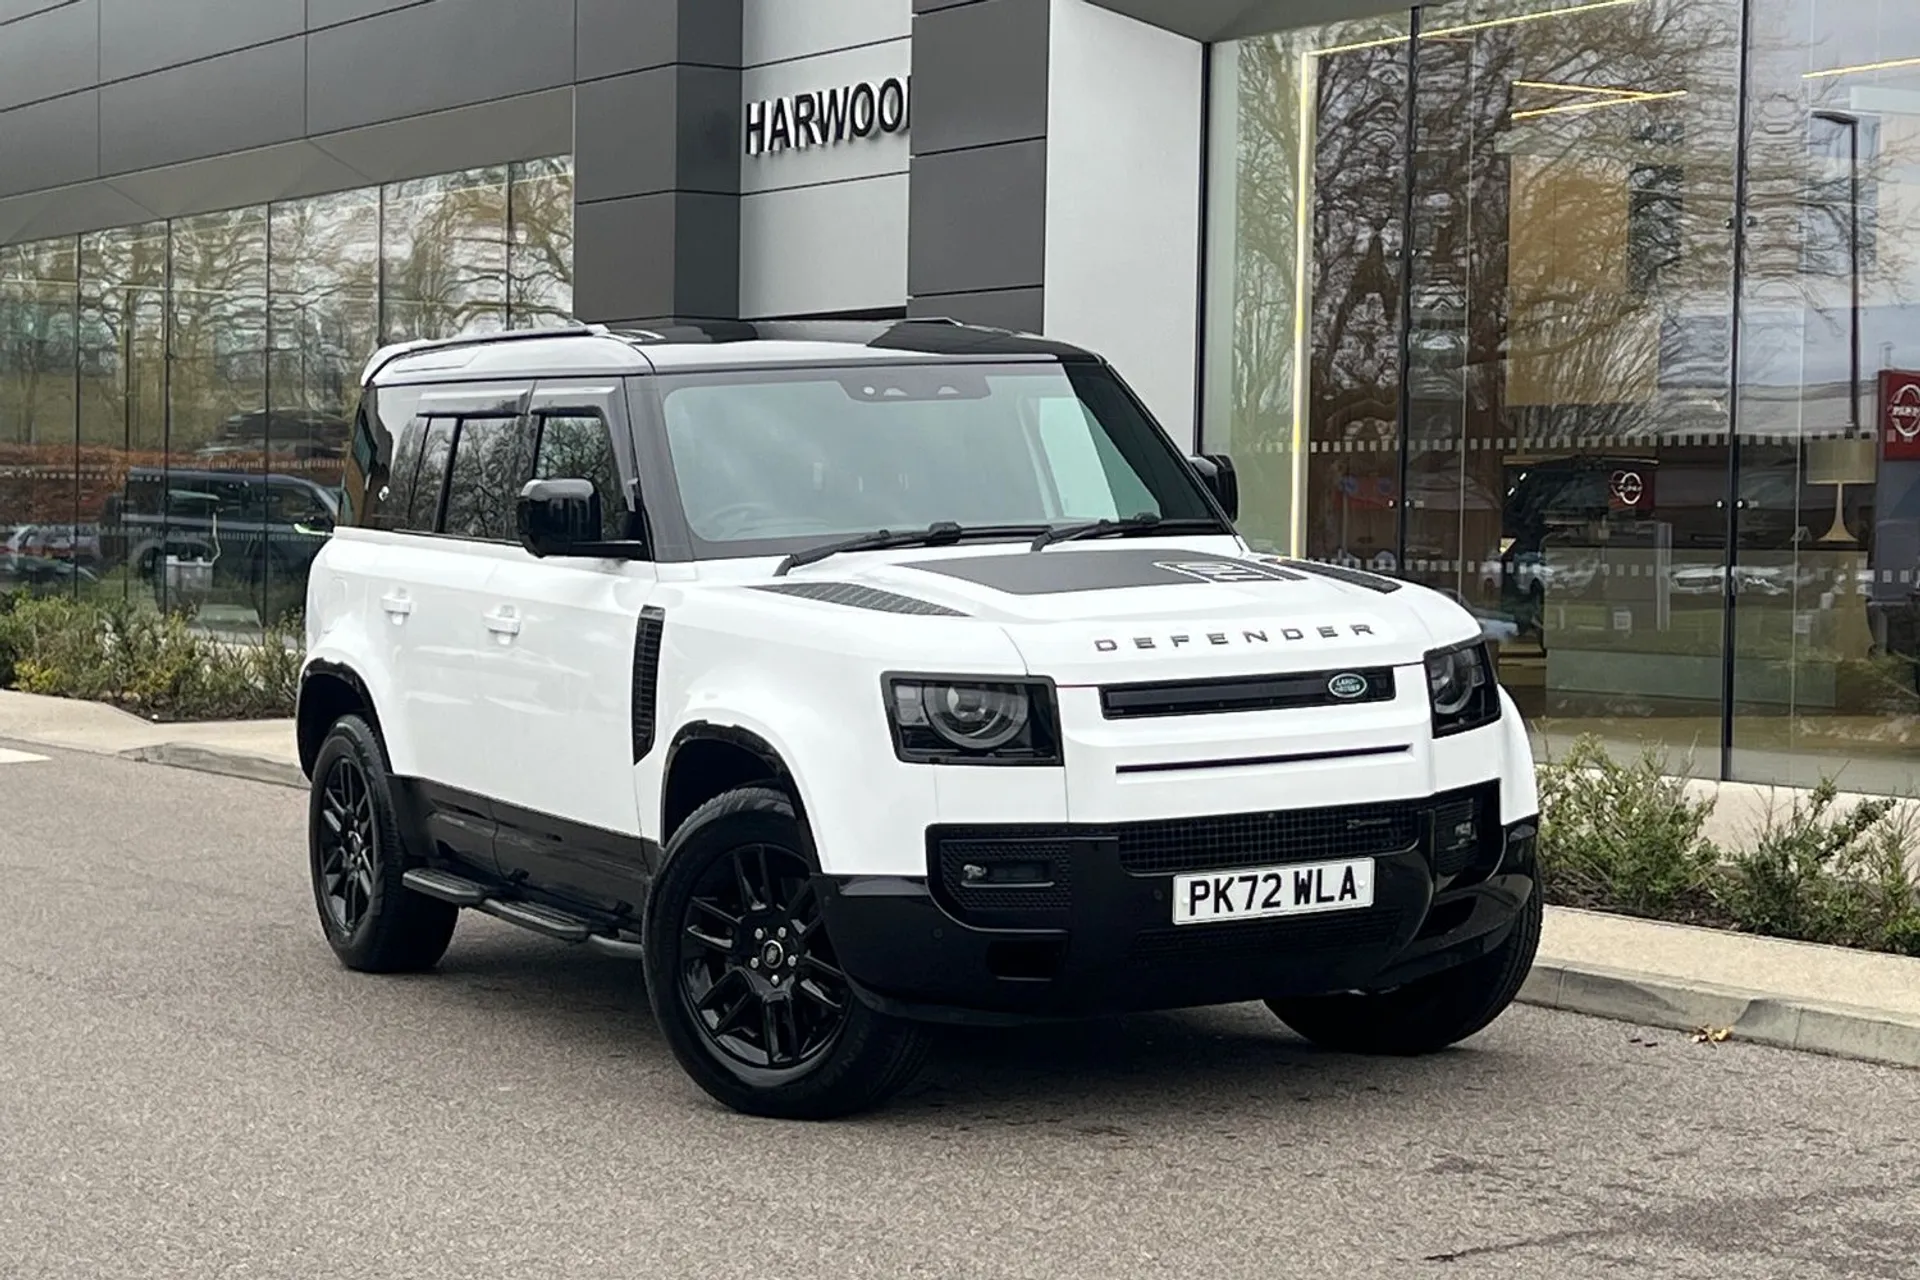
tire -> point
(356, 856)
(1426, 1015)
(743, 978)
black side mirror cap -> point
(558, 517)
(1221, 480)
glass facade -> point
(1604, 317)
(175, 397)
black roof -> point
(935, 336)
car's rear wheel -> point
(356, 856)
(1427, 1015)
(744, 979)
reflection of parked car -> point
(44, 554)
(263, 530)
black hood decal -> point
(1039, 573)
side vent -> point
(1352, 577)
(646, 678)
(854, 596)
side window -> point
(489, 465)
(423, 504)
(579, 447)
(392, 454)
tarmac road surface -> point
(191, 1086)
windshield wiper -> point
(1099, 529)
(942, 533)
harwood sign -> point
(825, 117)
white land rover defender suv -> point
(859, 683)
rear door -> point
(429, 596)
(561, 770)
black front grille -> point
(987, 877)
(1344, 687)
(1310, 935)
(1178, 845)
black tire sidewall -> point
(393, 912)
(861, 1066)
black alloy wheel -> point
(758, 972)
(347, 840)
(357, 855)
(744, 979)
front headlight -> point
(1461, 688)
(938, 721)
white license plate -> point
(1263, 892)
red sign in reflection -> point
(1900, 415)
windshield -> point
(767, 462)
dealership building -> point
(1602, 315)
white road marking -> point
(18, 757)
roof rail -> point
(388, 354)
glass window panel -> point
(1314, 115)
(580, 448)
(541, 253)
(39, 349)
(324, 321)
(213, 561)
(1826, 676)
(490, 463)
(444, 243)
(429, 478)
(122, 403)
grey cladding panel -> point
(327, 13)
(671, 254)
(631, 35)
(138, 36)
(49, 54)
(978, 220)
(12, 10)
(445, 54)
(230, 103)
(670, 128)
(980, 75)
(50, 143)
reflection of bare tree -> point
(542, 248)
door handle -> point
(503, 621)
(396, 604)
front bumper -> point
(1094, 935)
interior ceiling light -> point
(1442, 32)
(1891, 65)
(1570, 107)
(1578, 88)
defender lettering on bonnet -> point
(1241, 637)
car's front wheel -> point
(356, 856)
(744, 979)
(1427, 1015)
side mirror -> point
(1217, 474)
(556, 516)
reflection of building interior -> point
(1555, 449)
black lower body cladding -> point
(1105, 942)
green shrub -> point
(150, 663)
(1822, 876)
(1623, 837)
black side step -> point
(543, 920)
(445, 886)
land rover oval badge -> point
(1347, 685)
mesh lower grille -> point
(1268, 839)
(956, 854)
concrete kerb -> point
(186, 755)
(1840, 1031)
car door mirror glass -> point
(554, 517)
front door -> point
(561, 768)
